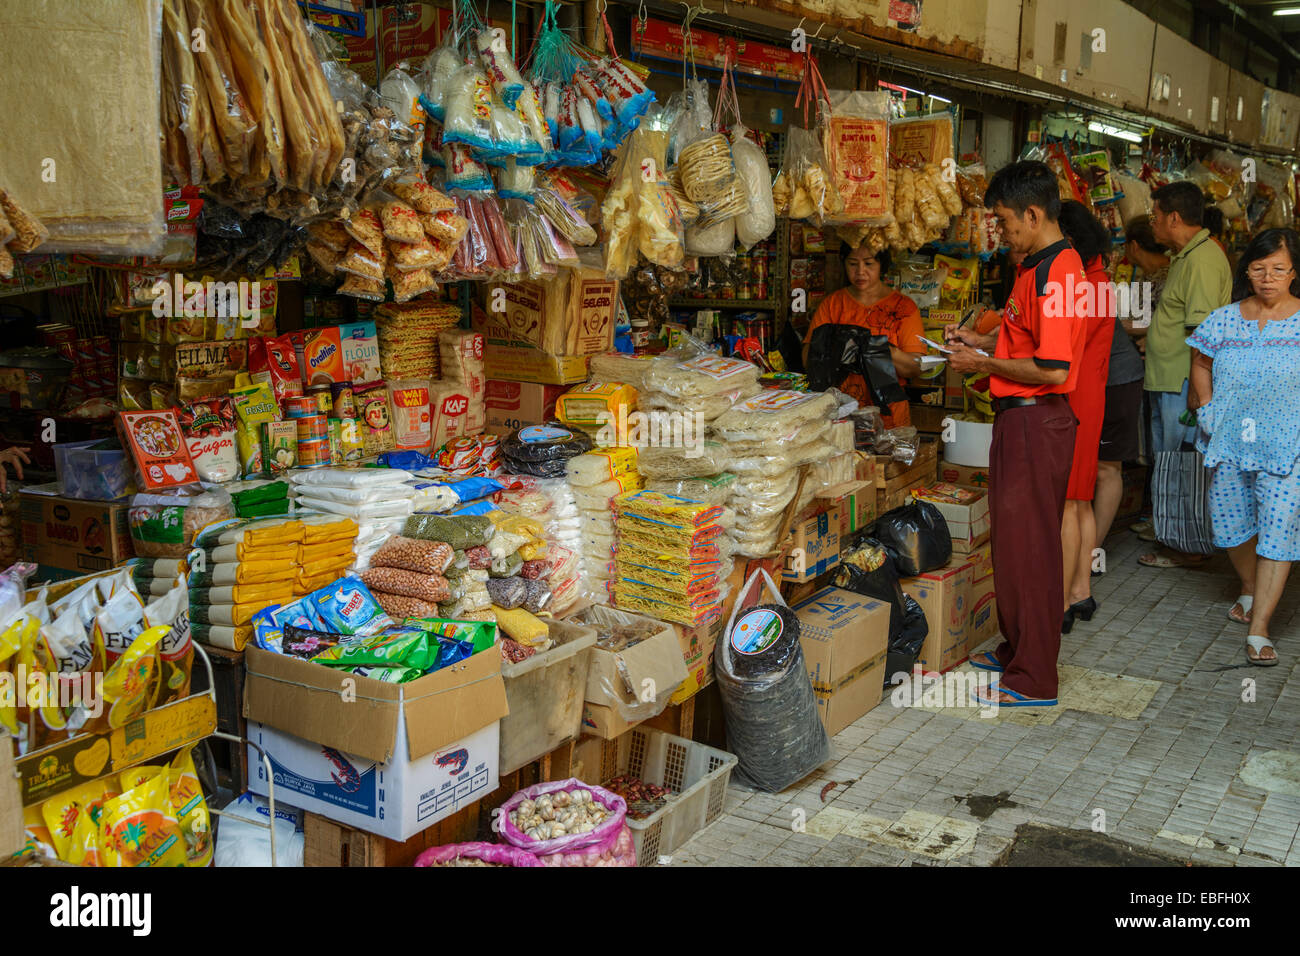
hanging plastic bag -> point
(468, 106)
(439, 67)
(855, 138)
(751, 167)
(500, 67)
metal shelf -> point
(767, 304)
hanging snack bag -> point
(856, 143)
(162, 459)
(209, 429)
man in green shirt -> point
(1200, 281)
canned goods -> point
(312, 427)
(640, 333)
(335, 429)
(300, 406)
(321, 393)
(343, 404)
(314, 453)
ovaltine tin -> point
(313, 427)
(321, 395)
(314, 453)
(300, 406)
(344, 406)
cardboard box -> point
(945, 596)
(515, 404)
(572, 314)
(816, 547)
(970, 476)
(983, 614)
(334, 738)
(981, 561)
(66, 537)
(529, 365)
(966, 511)
(11, 808)
(928, 417)
(857, 503)
(698, 644)
(395, 799)
(840, 632)
(654, 667)
(857, 695)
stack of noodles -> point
(408, 337)
(672, 558)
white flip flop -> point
(1246, 600)
(1256, 643)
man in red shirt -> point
(1035, 362)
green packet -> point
(389, 675)
(482, 634)
(255, 492)
(392, 647)
(263, 509)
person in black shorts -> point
(1123, 417)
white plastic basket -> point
(697, 774)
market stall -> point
(471, 388)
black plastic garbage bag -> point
(857, 574)
(836, 351)
(916, 537)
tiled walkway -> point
(1199, 757)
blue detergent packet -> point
(299, 613)
(472, 489)
(268, 635)
(451, 651)
(474, 508)
(348, 607)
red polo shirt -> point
(1040, 321)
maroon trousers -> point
(1029, 469)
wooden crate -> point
(332, 844)
(892, 490)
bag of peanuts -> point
(413, 554)
(424, 587)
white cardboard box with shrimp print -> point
(382, 758)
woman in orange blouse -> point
(870, 304)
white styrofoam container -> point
(970, 445)
(397, 799)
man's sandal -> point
(992, 698)
(1244, 602)
(1256, 643)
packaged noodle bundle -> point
(701, 376)
(774, 413)
(620, 367)
(595, 403)
(676, 513)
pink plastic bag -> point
(498, 854)
(609, 844)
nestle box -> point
(968, 475)
(816, 546)
(67, 537)
(983, 614)
(628, 686)
(966, 511)
(512, 405)
(945, 596)
(391, 759)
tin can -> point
(335, 429)
(343, 404)
(312, 427)
(300, 406)
(314, 453)
(321, 393)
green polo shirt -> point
(1200, 281)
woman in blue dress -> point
(1246, 371)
